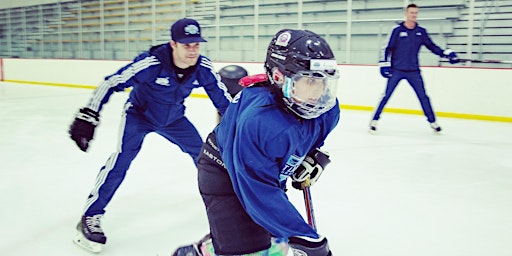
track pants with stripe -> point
(134, 127)
(416, 81)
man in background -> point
(399, 60)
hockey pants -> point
(232, 229)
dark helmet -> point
(291, 51)
(230, 75)
(293, 55)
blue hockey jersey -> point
(403, 46)
(261, 145)
(156, 92)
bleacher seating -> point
(492, 32)
(121, 29)
(371, 21)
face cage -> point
(310, 110)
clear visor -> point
(312, 87)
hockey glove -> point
(310, 169)
(309, 247)
(82, 128)
(385, 69)
(452, 57)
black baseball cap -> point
(186, 31)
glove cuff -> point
(447, 52)
(90, 112)
(384, 64)
(88, 115)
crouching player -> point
(262, 139)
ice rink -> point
(404, 191)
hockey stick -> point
(309, 207)
(482, 61)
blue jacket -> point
(261, 145)
(403, 46)
(157, 93)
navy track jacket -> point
(403, 46)
(157, 93)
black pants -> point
(232, 229)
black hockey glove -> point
(82, 128)
(310, 169)
(309, 247)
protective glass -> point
(311, 93)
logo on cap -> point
(191, 29)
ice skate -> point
(435, 126)
(89, 235)
(373, 126)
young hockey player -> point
(161, 78)
(262, 140)
(399, 60)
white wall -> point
(453, 91)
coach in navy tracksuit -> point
(399, 60)
(161, 79)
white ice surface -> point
(403, 191)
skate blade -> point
(86, 244)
